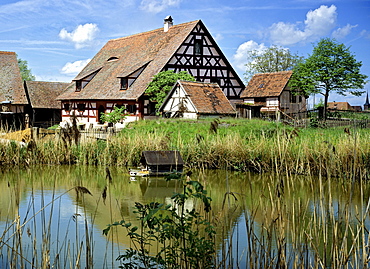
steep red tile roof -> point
(152, 49)
(267, 84)
(43, 94)
(11, 85)
(208, 98)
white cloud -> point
(156, 6)
(82, 36)
(318, 23)
(343, 32)
(75, 67)
(241, 55)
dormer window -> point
(124, 84)
(111, 59)
(127, 81)
(82, 82)
(78, 85)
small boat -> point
(138, 172)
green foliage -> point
(330, 68)
(185, 237)
(162, 83)
(25, 71)
(115, 116)
(272, 59)
(319, 104)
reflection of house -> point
(196, 99)
(120, 72)
(12, 95)
(269, 93)
(44, 110)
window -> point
(111, 59)
(66, 107)
(131, 109)
(216, 80)
(293, 98)
(81, 107)
(78, 85)
(127, 81)
(124, 84)
(198, 47)
(81, 83)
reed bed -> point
(237, 144)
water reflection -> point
(253, 214)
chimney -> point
(168, 22)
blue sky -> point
(58, 37)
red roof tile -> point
(153, 49)
(267, 84)
(42, 94)
(207, 98)
(11, 84)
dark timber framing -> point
(208, 66)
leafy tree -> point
(25, 71)
(162, 83)
(272, 59)
(330, 68)
(116, 115)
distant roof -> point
(267, 84)
(123, 56)
(339, 105)
(11, 84)
(162, 157)
(208, 98)
(43, 94)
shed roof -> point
(208, 98)
(42, 94)
(267, 84)
(11, 86)
(122, 57)
(162, 157)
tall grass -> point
(246, 145)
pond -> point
(54, 216)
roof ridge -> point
(277, 72)
(7, 52)
(151, 31)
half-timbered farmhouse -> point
(193, 100)
(12, 95)
(120, 72)
(269, 93)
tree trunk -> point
(326, 98)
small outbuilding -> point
(162, 162)
(43, 109)
(192, 100)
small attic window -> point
(261, 86)
(111, 59)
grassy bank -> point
(253, 145)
